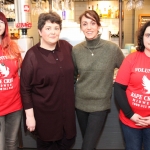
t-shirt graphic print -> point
(135, 73)
(10, 100)
(146, 84)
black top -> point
(121, 98)
(47, 86)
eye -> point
(147, 35)
(93, 23)
(56, 28)
(84, 24)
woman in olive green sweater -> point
(95, 60)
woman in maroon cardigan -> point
(47, 87)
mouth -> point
(89, 33)
(52, 37)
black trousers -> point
(63, 144)
(91, 125)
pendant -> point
(92, 54)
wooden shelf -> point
(91, 0)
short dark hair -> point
(92, 14)
(140, 35)
(53, 17)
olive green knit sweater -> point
(93, 88)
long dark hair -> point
(140, 35)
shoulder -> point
(32, 51)
(65, 43)
(133, 56)
(13, 44)
(111, 45)
(78, 47)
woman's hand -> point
(139, 120)
(30, 120)
(146, 120)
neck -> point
(93, 43)
(48, 46)
(147, 52)
(0, 39)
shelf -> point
(91, 0)
(108, 18)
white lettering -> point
(145, 70)
(147, 98)
(136, 95)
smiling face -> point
(49, 34)
(2, 28)
(146, 39)
(89, 27)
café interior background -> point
(129, 22)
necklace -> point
(93, 49)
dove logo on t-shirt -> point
(146, 84)
(4, 71)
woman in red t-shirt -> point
(10, 100)
(132, 92)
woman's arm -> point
(121, 98)
(75, 68)
(30, 120)
(26, 89)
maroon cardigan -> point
(47, 86)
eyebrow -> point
(51, 26)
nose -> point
(52, 31)
(89, 26)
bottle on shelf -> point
(109, 12)
(92, 7)
(112, 12)
(117, 13)
(97, 10)
(104, 14)
(63, 14)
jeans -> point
(91, 125)
(135, 139)
(9, 126)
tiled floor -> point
(72, 149)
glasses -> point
(139, 4)
(37, 9)
(147, 35)
(8, 10)
(132, 4)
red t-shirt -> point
(10, 99)
(135, 73)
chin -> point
(91, 37)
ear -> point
(39, 32)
